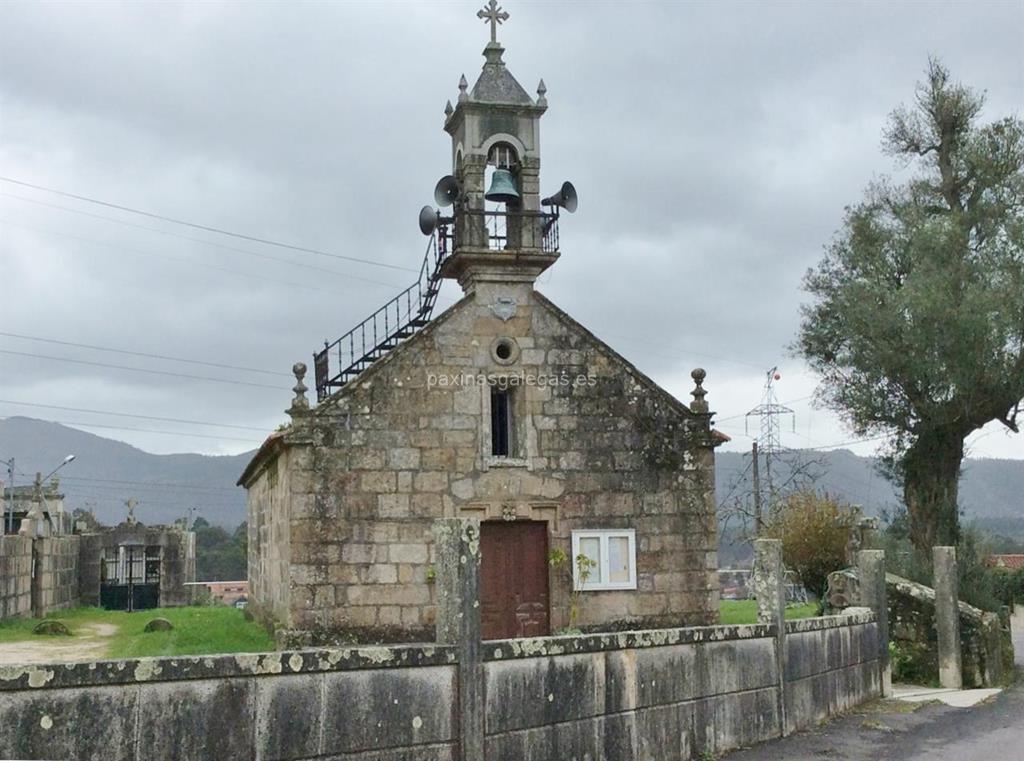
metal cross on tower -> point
(494, 15)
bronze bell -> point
(503, 187)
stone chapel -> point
(594, 486)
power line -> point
(196, 226)
(680, 351)
(232, 490)
(101, 483)
(851, 441)
(140, 417)
(736, 484)
(150, 430)
(170, 491)
(117, 497)
(108, 492)
(634, 340)
(744, 414)
(202, 241)
(143, 354)
(139, 369)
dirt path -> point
(89, 643)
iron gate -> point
(131, 579)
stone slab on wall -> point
(658, 694)
(673, 701)
(15, 576)
(829, 669)
(372, 703)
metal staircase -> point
(402, 317)
(373, 338)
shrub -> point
(815, 531)
(910, 663)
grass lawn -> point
(217, 629)
(197, 631)
(745, 611)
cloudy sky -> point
(714, 146)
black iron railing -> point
(503, 230)
(383, 330)
(341, 361)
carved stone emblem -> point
(504, 308)
(508, 512)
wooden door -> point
(514, 579)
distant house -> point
(18, 503)
(225, 592)
(1009, 562)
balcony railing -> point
(503, 230)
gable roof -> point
(563, 317)
(277, 440)
(640, 377)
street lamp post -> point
(10, 495)
(38, 497)
(64, 462)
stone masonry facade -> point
(342, 502)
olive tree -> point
(916, 323)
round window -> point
(504, 350)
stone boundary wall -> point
(38, 575)
(986, 646)
(661, 694)
(671, 693)
(831, 666)
(376, 703)
(55, 584)
(15, 576)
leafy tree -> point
(917, 320)
(220, 556)
(815, 531)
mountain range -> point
(106, 473)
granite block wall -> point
(656, 694)
(15, 576)
(55, 584)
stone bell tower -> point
(501, 231)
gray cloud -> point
(714, 145)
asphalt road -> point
(993, 731)
(989, 732)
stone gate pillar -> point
(871, 569)
(457, 548)
(770, 589)
(947, 616)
